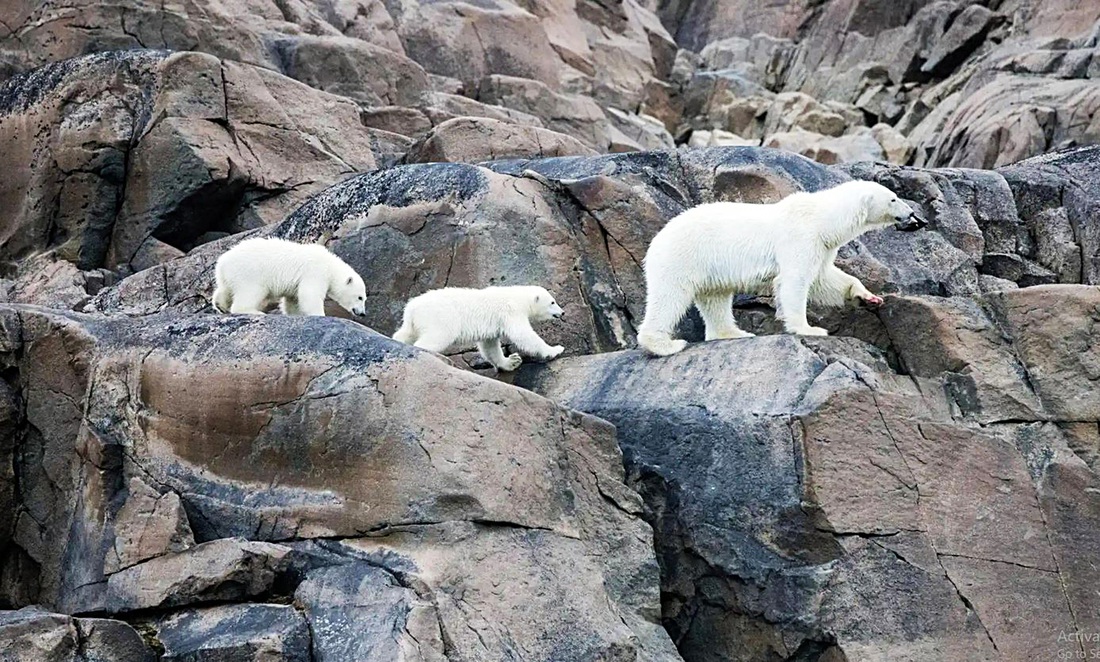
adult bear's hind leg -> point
(717, 313)
(664, 308)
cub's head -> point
(543, 305)
(884, 208)
(349, 291)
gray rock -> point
(361, 612)
(34, 635)
(236, 633)
(822, 504)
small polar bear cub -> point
(461, 317)
(711, 252)
(258, 272)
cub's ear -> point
(350, 279)
(538, 297)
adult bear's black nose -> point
(910, 223)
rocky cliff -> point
(180, 485)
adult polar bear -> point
(262, 271)
(711, 252)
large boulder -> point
(244, 632)
(273, 429)
(811, 503)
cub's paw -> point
(810, 331)
(554, 352)
(870, 299)
(512, 362)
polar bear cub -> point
(461, 317)
(711, 252)
(258, 272)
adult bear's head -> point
(884, 208)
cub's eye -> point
(360, 298)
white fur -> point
(462, 317)
(711, 252)
(256, 273)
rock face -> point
(126, 160)
(262, 448)
(904, 491)
(180, 485)
(971, 84)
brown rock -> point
(995, 124)
(952, 340)
(470, 139)
(179, 146)
(225, 569)
(885, 507)
(448, 106)
(851, 148)
(148, 525)
(573, 115)
(1052, 328)
(470, 42)
(372, 75)
(256, 442)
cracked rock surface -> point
(322, 437)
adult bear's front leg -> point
(833, 287)
(792, 291)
